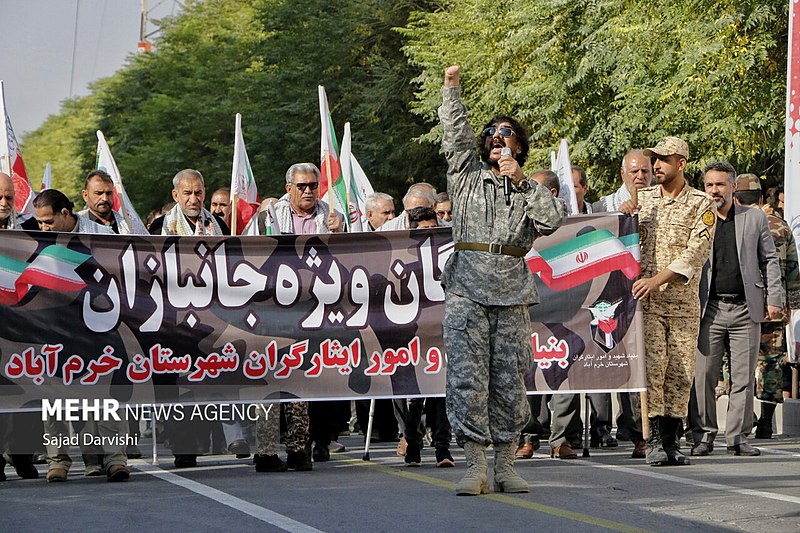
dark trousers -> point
(437, 416)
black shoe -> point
(240, 449)
(133, 452)
(601, 438)
(444, 459)
(118, 473)
(23, 465)
(413, 457)
(743, 449)
(270, 463)
(185, 461)
(764, 429)
(702, 449)
(298, 461)
(321, 454)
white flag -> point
(244, 192)
(563, 168)
(122, 204)
(47, 178)
(11, 162)
(353, 212)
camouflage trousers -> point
(488, 352)
(670, 344)
(769, 374)
(268, 429)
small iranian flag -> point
(54, 268)
(122, 204)
(11, 162)
(361, 187)
(244, 192)
(562, 166)
(47, 177)
(331, 184)
(585, 257)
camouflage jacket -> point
(675, 233)
(787, 253)
(480, 215)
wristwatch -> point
(524, 186)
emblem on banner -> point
(604, 323)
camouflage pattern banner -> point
(151, 319)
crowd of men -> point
(718, 276)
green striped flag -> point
(570, 263)
(54, 268)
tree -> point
(611, 75)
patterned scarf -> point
(176, 223)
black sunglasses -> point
(302, 186)
(504, 131)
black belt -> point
(730, 299)
(492, 248)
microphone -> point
(506, 151)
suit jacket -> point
(758, 263)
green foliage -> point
(611, 75)
(57, 141)
(607, 75)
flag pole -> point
(328, 176)
(5, 153)
(234, 197)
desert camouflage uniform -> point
(769, 374)
(676, 234)
(487, 333)
(268, 429)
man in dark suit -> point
(740, 281)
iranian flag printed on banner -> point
(585, 257)
(122, 204)
(54, 268)
(244, 192)
(11, 162)
(332, 187)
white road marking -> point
(260, 513)
(687, 481)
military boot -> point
(476, 480)
(656, 456)
(505, 478)
(669, 439)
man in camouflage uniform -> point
(676, 228)
(487, 332)
(769, 374)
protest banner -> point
(142, 319)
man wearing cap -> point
(742, 266)
(486, 326)
(769, 373)
(676, 229)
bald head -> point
(636, 170)
(6, 196)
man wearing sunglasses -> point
(299, 212)
(487, 329)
